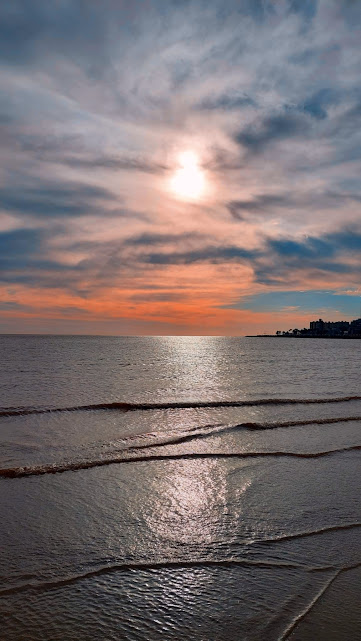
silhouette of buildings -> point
(326, 329)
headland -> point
(321, 329)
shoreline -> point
(343, 338)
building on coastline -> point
(356, 326)
(326, 329)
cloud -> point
(26, 31)
(260, 204)
(19, 243)
(23, 258)
(150, 239)
(311, 248)
(162, 297)
(272, 129)
(269, 204)
(53, 199)
(306, 8)
(10, 306)
(285, 260)
(116, 164)
(226, 102)
(96, 108)
(344, 240)
(211, 255)
(316, 105)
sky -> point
(179, 167)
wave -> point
(173, 564)
(150, 566)
(308, 533)
(131, 407)
(209, 430)
(278, 424)
(74, 466)
(129, 453)
(297, 620)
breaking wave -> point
(73, 466)
(179, 564)
(131, 407)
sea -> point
(179, 489)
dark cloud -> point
(114, 163)
(312, 248)
(306, 8)
(348, 239)
(350, 10)
(326, 253)
(226, 102)
(318, 248)
(316, 105)
(9, 306)
(70, 310)
(270, 203)
(20, 243)
(272, 129)
(47, 146)
(53, 199)
(258, 205)
(20, 257)
(27, 29)
(160, 297)
(256, 9)
(205, 255)
(90, 31)
(282, 258)
(163, 239)
(224, 161)
(123, 212)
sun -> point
(188, 182)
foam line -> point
(129, 407)
(174, 565)
(156, 565)
(294, 623)
(56, 468)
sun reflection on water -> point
(197, 366)
(189, 502)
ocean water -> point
(179, 488)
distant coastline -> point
(320, 329)
(298, 336)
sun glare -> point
(188, 181)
